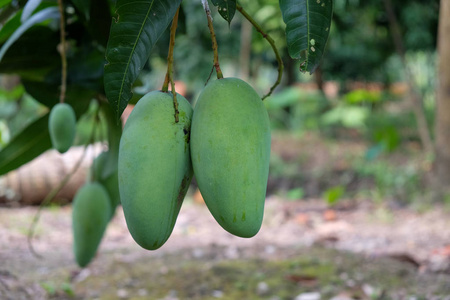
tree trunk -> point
(414, 94)
(442, 165)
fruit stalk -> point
(62, 50)
(169, 74)
(272, 44)
(213, 39)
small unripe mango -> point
(90, 215)
(154, 167)
(62, 126)
(230, 150)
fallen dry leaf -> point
(329, 215)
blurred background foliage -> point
(352, 118)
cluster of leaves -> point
(137, 28)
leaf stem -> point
(169, 74)
(272, 44)
(62, 94)
(215, 47)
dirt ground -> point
(349, 237)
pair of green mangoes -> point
(225, 142)
(93, 207)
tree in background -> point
(442, 130)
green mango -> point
(62, 126)
(109, 181)
(230, 151)
(90, 215)
(154, 167)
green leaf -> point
(307, 28)
(30, 143)
(295, 194)
(226, 8)
(4, 2)
(28, 9)
(10, 26)
(45, 14)
(333, 194)
(134, 31)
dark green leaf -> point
(226, 8)
(29, 61)
(10, 26)
(135, 29)
(30, 143)
(45, 14)
(307, 28)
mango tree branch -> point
(213, 39)
(62, 51)
(169, 74)
(272, 44)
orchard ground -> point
(303, 248)
(358, 248)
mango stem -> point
(215, 47)
(272, 44)
(62, 95)
(169, 74)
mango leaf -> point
(29, 8)
(226, 8)
(30, 143)
(135, 29)
(10, 26)
(29, 61)
(307, 28)
(45, 14)
(4, 2)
